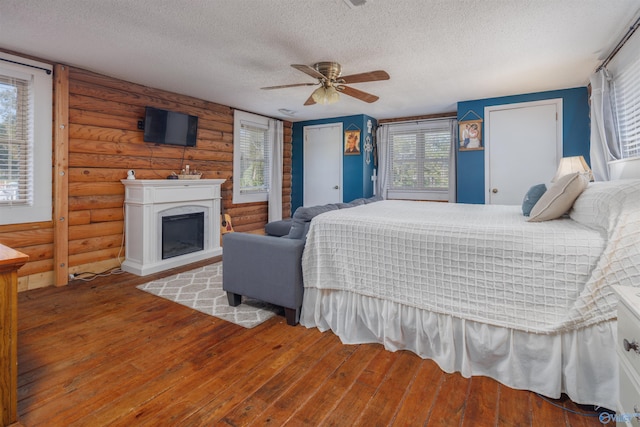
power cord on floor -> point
(584, 414)
(75, 276)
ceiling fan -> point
(332, 83)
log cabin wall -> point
(93, 152)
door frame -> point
(340, 151)
(487, 136)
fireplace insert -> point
(182, 234)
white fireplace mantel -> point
(145, 202)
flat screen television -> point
(169, 127)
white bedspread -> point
(483, 263)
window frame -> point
(419, 129)
(41, 139)
(259, 122)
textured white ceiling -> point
(438, 52)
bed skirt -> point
(581, 363)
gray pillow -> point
(303, 216)
(559, 198)
(532, 197)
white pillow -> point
(600, 204)
(559, 198)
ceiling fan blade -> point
(362, 96)
(308, 70)
(371, 76)
(292, 85)
(309, 101)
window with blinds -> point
(16, 142)
(26, 89)
(251, 152)
(254, 145)
(419, 155)
(627, 108)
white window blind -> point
(25, 140)
(16, 140)
(255, 146)
(252, 140)
(419, 158)
(627, 107)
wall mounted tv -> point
(169, 127)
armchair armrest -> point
(263, 267)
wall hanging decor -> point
(368, 148)
(352, 142)
(470, 132)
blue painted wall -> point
(575, 134)
(356, 173)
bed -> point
(480, 289)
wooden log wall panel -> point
(80, 217)
(103, 143)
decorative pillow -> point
(602, 202)
(532, 197)
(558, 199)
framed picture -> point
(470, 135)
(352, 142)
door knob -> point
(495, 190)
(336, 187)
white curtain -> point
(275, 174)
(382, 138)
(453, 162)
(604, 140)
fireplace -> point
(169, 223)
(182, 234)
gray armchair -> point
(267, 268)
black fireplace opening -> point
(182, 234)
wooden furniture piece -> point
(628, 350)
(10, 261)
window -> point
(251, 159)
(626, 90)
(25, 140)
(419, 160)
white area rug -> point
(201, 289)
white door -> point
(523, 148)
(322, 164)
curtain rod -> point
(26, 65)
(621, 43)
(417, 120)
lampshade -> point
(570, 165)
(325, 95)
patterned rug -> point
(201, 289)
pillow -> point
(559, 198)
(602, 202)
(302, 218)
(532, 197)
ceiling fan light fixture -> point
(325, 95)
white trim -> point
(625, 168)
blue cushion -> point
(532, 197)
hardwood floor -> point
(104, 353)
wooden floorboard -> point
(105, 353)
